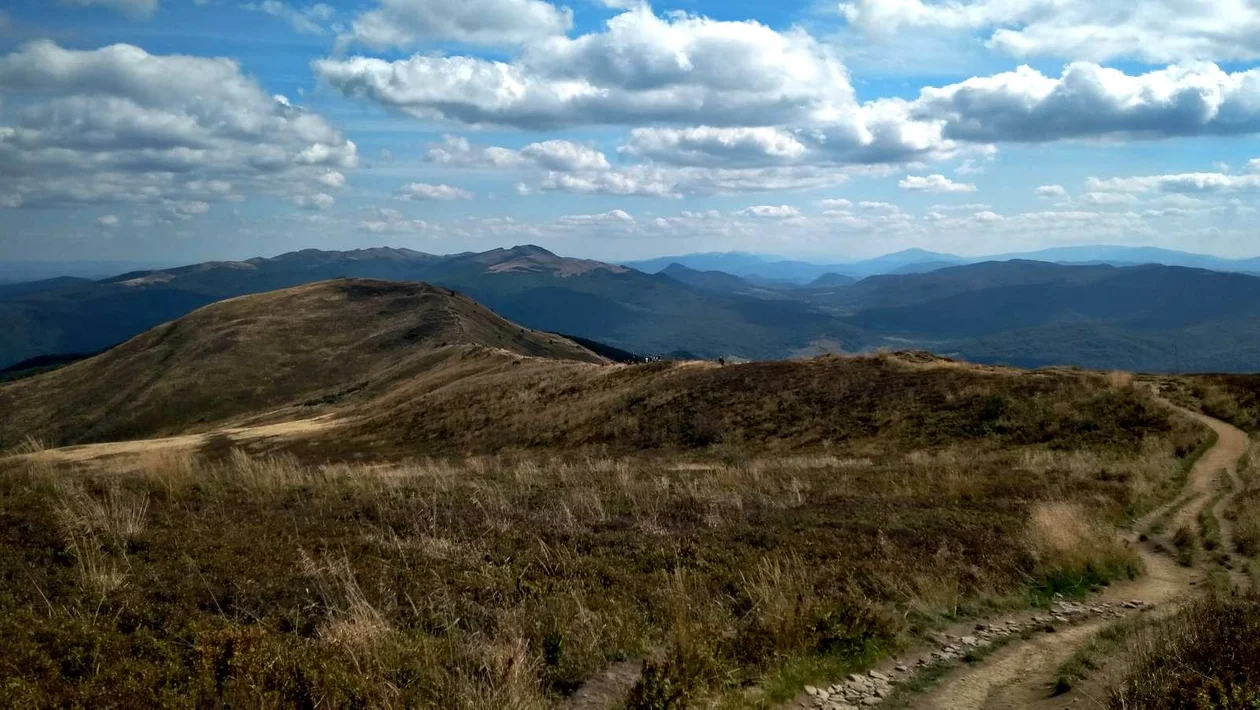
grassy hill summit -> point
(315, 344)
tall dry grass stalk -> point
(353, 621)
(172, 470)
(1066, 540)
(29, 445)
(266, 476)
(118, 515)
(1249, 465)
(1151, 476)
(508, 676)
(99, 572)
(1244, 509)
(782, 598)
(97, 531)
(1207, 655)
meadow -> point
(734, 573)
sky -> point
(188, 130)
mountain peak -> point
(535, 259)
(676, 268)
(530, 250)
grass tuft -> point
(1187, 546)
(29, 445)
(1206, 656)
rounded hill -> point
(316, 344)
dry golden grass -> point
(99, 571)
(171, 470)
(725, 523)
(117, 514)
(28, 445)
(511, 677)
(353, 621)
(97, 528)
(1149, 474)
(507, 580)
(1065, 536)
(1119, 379)
(810, 408)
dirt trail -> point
(1205, 479)
(113, 451)
(1022, 674)
(1230, 486)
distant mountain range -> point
(773, 270)
(1015, 311)
(14, 271)
(608, 303)
(913, 261)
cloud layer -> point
(1151, 30)
(640, 69)
(719, 106)
(404, 24)
(1091, 101)
(118, 124)
(654, 104)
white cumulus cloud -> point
(332, 179)
(1150, 30)
(565, 155)
(118, 124)
(708, 145)
(407, 23)
(770, 211)
(1107, 199)
(641, 68)
(1091, 101)
(1190, 183)
(317, 201)
(425, 191)
(934, 183)
(611, 218)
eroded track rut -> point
(1022, 674)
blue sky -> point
(185, 130)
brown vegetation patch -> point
(821, 404)
(306, 348)
(1207, 656)
(510, 580)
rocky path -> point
(1030, 648)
